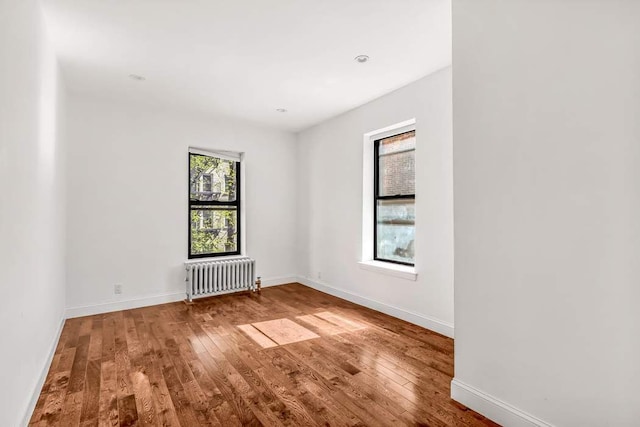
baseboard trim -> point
(107, 307)
(430, 323)
(89, 310)
(279, 280)
(43, 375)
(492, 407)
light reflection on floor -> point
(384, 367)
(272, 333)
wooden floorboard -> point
(217, 363)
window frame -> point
(377, 197)
(194, 204)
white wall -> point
(32, 203)
(547, 208)
(127, 214)
(330, 163)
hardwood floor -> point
(221, 362)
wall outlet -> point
(319, 275)
(117, 289)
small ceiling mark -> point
(137, 77)
(361, 59)
(281, 110)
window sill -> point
(390, 269)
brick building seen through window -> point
(395, 198)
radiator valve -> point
(259, 285)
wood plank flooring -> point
(205, 364)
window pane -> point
(214, 229)
(395, 230)
(396, 165)
(212, 178)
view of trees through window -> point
(213, 206)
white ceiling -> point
(246, 58)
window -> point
(394, 198)
(205, 182)
(214, 205)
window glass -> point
(213, 229)
(396, 165)
(396, 230)
(212, 178)
(214, 204)
(394, 209)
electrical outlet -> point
(319, 275)
(117, 289)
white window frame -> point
(366, 261)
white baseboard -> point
(43, 375)
(107, 307)
(89, 310)
(280, 280)
(430, 323)
(492, 407)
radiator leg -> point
(188, 282)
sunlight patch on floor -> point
(277, 332)
(261, 339)
(272, 333)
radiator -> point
(208, 278)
